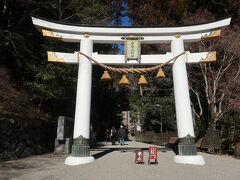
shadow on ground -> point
(104, 151)
(15, 168)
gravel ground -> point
(117, 163)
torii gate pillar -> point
(187, 151)
(81, 149)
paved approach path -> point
(117, 163)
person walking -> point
(113, 135)
(121, 134)
(107, 135)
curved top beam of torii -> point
(108, 34)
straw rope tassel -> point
(124, 80)
(142, 80)
(160, 74)
(106, 76)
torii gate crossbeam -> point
(88, 35)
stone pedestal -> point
(80, 152)
(186, 146)
(188, 152)
(59, 147)
(63, 142)
(194, 160)
(64, 128)
(68, 145)
(73, 161)
(80, 147)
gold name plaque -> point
(132, 48)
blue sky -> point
(125, 21)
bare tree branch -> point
(199, 103)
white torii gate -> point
(87, 35)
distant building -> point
(130, 125)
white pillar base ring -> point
(73, 161)
(195, 160)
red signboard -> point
(139, 156)
(152, 154)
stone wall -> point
(23, 137)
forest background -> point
(33, 92)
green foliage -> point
(75, 11)
(156, 106)
(23, 49)
(53, 82)
(172, 12)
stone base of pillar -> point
(73, 161)
(80, 152)
(195, 160)
(80, 147)
(186, 146)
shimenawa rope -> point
(130, 70)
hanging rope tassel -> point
(124, 80)
(106, 76)
(160, 74)
(142, 80)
